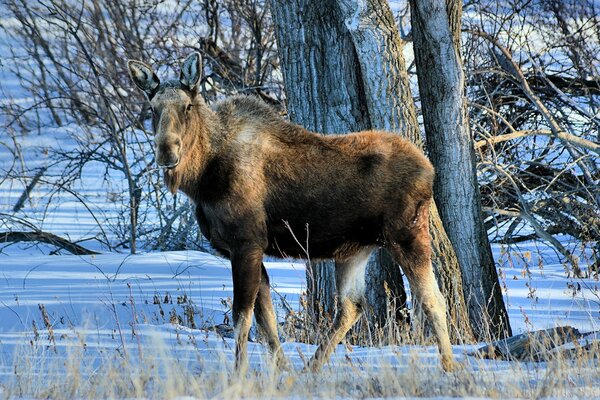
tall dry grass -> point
(152, 367)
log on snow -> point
(45, 237)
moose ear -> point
(191, 71)
(143, 76)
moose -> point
(261, 185)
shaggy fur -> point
(262, 185)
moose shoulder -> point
(262, 185)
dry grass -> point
(162, 370)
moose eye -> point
(188, 108)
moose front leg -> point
(267, 320)
(246, 261)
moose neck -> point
(197, 149)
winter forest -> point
(113, 285)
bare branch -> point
(572, 139)
(45, 237)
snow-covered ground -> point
(102, 291)
(64, 310)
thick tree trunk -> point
(344, 71)
(312, 41)
(324, 94)
(436, 32)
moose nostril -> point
(167, 150)
(168, 161)
(174, 162)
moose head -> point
(172, 104)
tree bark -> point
(344, 71)
(436, 31)
(311, 41)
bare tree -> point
(344, 71)
(436, 30)
(533, 108)
(75, 72)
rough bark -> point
(344, 71)
(436, 32)
(322, 91)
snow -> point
(539, 294)
(78, 289)
(104, 298)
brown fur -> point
(339, 188)
(262, 185)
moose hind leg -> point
(350, 281)
(425, 290)
(266, 319)
(413, 254)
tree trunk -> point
(310, 41)
(325, 94)
(344, 71)
(436, 32)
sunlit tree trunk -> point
(436, 30)
(344, 71)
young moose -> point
(261, 185)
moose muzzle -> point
(168, 149)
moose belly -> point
(321, 236)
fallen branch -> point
(540, 345)
(45, 237)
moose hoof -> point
(283, 364)
(448, 364)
